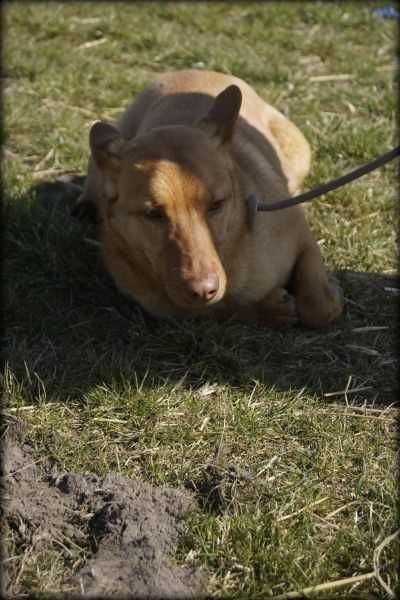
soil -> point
(129, 528)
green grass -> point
(262, 425)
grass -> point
(285, 437)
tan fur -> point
(156, 180)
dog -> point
(170, 182)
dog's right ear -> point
(106, 144)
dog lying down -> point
(170, 183)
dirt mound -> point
(129, 527)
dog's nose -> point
(205, 288)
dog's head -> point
(171, 200)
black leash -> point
(254, 205)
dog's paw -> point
(323, 304)
(279, 309)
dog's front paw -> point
(279, 309)
(322, 304)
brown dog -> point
(170, 183)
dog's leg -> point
(319, 298)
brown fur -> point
(170, 183)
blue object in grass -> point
(388, 12)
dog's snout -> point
(205, 288)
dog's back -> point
(263, 136)
(271, 149)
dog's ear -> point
(224, 112)
(106, 145)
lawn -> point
(287, 439)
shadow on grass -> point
(69, 329)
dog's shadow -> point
(69, 330)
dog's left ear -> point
(222, 117)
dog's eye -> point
(154, 214)
(216, 205)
